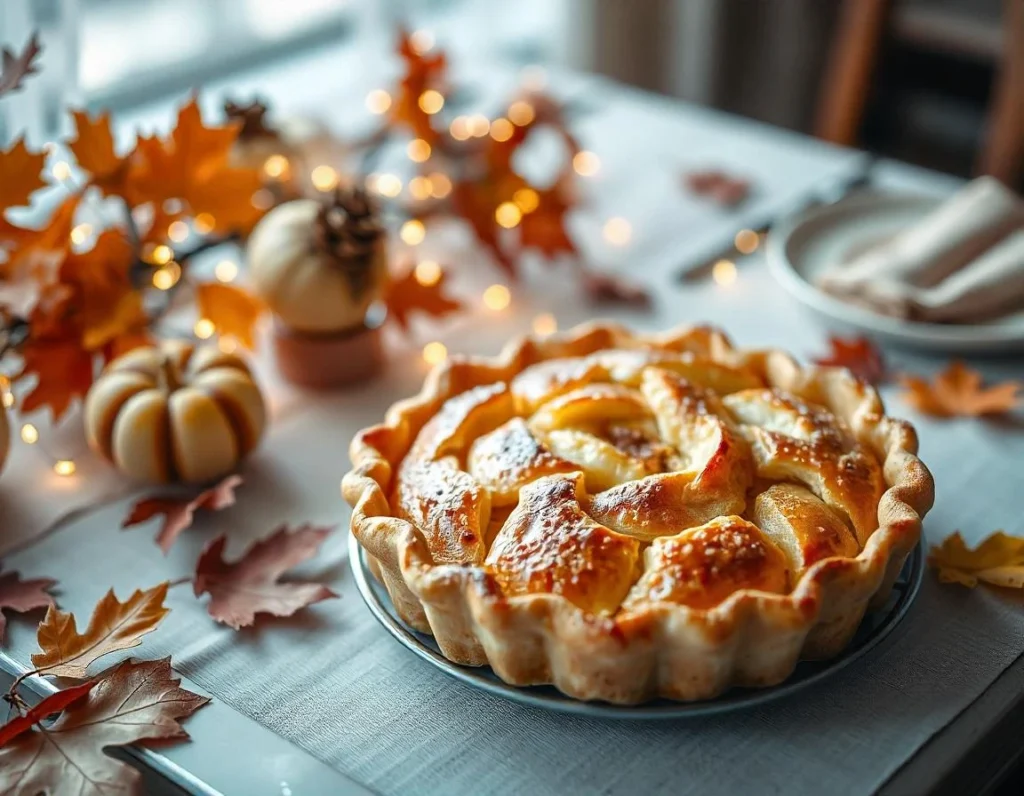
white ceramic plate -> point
(799, 248)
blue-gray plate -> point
(877, 625)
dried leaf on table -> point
(14, 68)
(406, 295)
(240, 590)
(64, 370)
(858, 355)
(178, 512)
(114, 626)
(93, 148)
(50, 706)
(608, 288)
(958, 391)
(718, 186)
(22, 595)
(232, 310)
(22, 174)
(998, 560)
(135, 702)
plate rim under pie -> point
(885, 622)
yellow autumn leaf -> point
(998, 560)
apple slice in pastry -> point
(509, 458)
(710, 470)
(703, 566)
(461, 419)
(550, 545)
(801, 525)
(795, 441)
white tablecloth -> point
(335, 683)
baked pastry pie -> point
(628, 517)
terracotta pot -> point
(327, 360)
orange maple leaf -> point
(114, 626)
(858, 355)
(63, 371)
(21, 172)
(958, 391)
(423, 71)
(406, 295)
(193, 167)
(93, 147)
(230, 309)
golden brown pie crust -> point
(689, 517)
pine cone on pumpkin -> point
(349, 231)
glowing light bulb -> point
(162, 254)
(440, 185)
(747, 241)
(724, 272)
(64, 467)
(324, 178)
(412, 232)
(460, 128)
(502, 129)
(418, 150)
(479, 125)
(586, 164)
(508, 215)
(427, 273)
(80, 234)
(617, 231)
(61, 170)
(167, 276)
(276, 167)
(434, 353)
(226, 270)
(431, 101)
(29, 434)
(388, 185)
(521, 113)
(545, 324)
(497, 297)
(8, 400)
(422, 41)
(420, 187)
(262, 199)
(227, 344)
(177, 231)
(205, 222)
(378, 101)
(204, 328)
(526, 199)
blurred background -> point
(938, 83)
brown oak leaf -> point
(22, 595)
(240, 590)
(53, 704)
(15, 68)
(858, 355)
(135, 702)
(958, 391)
(178, 512)
(608, 288)
(232, 311)
(405, 296)
(22, 174)
(998, 560)
(114, 626)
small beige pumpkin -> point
(319, 267)
(175, 413)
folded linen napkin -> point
(941, 269)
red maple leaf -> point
(250, 586)
(858, 355)
(179, 512)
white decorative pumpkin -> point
(174, 412)
(5, 436)
(319, 267)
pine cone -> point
(253, 117)
(349, 231)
